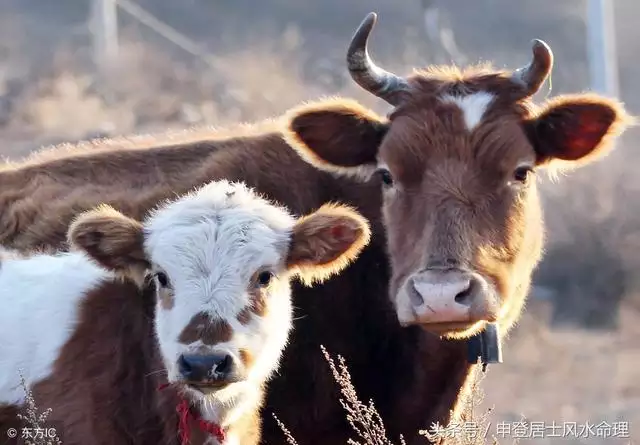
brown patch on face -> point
(209, 331)
(258, 302)
(246, 358)
(244, 316)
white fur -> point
(40, 297)
(210, 243)
(473, 106)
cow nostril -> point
(414, 296)
(463, 297)
(225, 366)
(466, 296)
(184, 367)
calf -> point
(196, 300)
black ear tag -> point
(486, 345)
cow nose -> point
(207, 368)
(446, 295)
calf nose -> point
(445, 296)
(202, 368)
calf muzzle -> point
(218, 369)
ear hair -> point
(336, 135)
(112, 239)
(324, 242)
(572, 130)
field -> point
(574, 356)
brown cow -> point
(196, 298)
(447, 182)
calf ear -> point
(110, 238)
(576, 128)
(336, 135)
(326, 241)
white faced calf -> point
(220, 259)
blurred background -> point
(78, 69)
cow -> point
(188, 310)
(447, 181)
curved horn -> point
(365, 72)
(535, 73)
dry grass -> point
(363, 418)
(35, 430)
(469, 428)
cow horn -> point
(365, 72)
(535, 73)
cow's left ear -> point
(336, 135)
(326, 241)
(576, 128)
(113, 240)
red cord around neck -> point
(184, 412)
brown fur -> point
(209, 331)
(244, 316)
(114, 347)
(246, 358)
(316, 248)
(110, 238)
(8, 419)
(104, 385)
(451, 200)
(257, 305)
(455, 210)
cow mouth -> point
(465, 328)
(454, 328)
(209, 386)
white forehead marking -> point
(215, 235)
(473, 106)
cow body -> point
(196, 300)
(447, 185)
(41, 296)
(86, 377)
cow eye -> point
(162, 278)
(264, 278)
(522, 174)
(385, 176)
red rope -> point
(183, 422)
(184, 432)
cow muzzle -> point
(210, 371)
(449, 297)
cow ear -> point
(111, 239)
(576, 128)
(326, 241)
(336, 135)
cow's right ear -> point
(337, 135)
(326, 241)
(110, 238)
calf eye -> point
(521, 174)
(264, 278)
(162, 278)
(385, 176)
